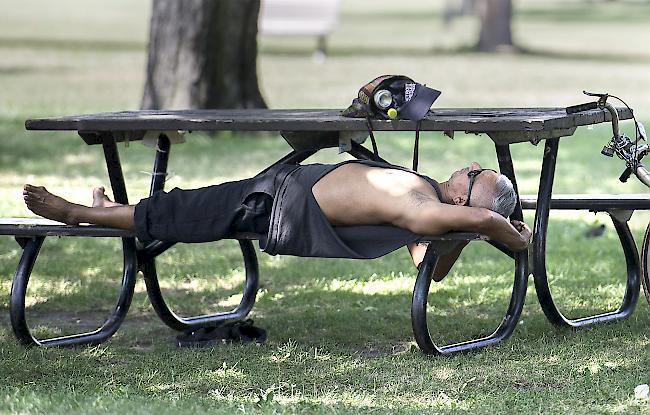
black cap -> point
(412, 100)
(418, 106)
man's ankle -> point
(74, 215)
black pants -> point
(205, 214)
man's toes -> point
(35, 196)
(35, 188)
(99, 197)
(30, 193)
(104, 195)
(29, 201)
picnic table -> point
(308, 131)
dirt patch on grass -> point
(85, 320)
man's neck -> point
(444, 190)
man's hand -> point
(523, 229)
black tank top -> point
(299, 227)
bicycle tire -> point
(645, 264)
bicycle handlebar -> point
(625, 149)
(614, 114)
(643, 174)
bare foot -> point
(50, 206)
(101, 200)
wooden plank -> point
(443, 119)
(46, 227)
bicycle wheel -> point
(645, 263)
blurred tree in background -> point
(495, 15)
(495, 34)
(203, 54)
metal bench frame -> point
(619, 211)
(31, 247)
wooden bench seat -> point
(596, 203)
(44, 227)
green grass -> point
(339, 330)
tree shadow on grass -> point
(73, 44)
(583, 56)
(592, 12)
(24, 69)
(423, 51)
(372, 50)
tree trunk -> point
(203, 54)
(495, 25)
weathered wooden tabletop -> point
(511, 124)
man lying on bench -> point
(354, 209)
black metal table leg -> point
(293, 157)
(363, 153)
(539, 253)
(31, 248)
(159, 173)
(114, 167)
(507, 169)
(148, 253)
(419, 307)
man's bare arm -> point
(439, 218)
(436, 219)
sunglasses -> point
(472, 178)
